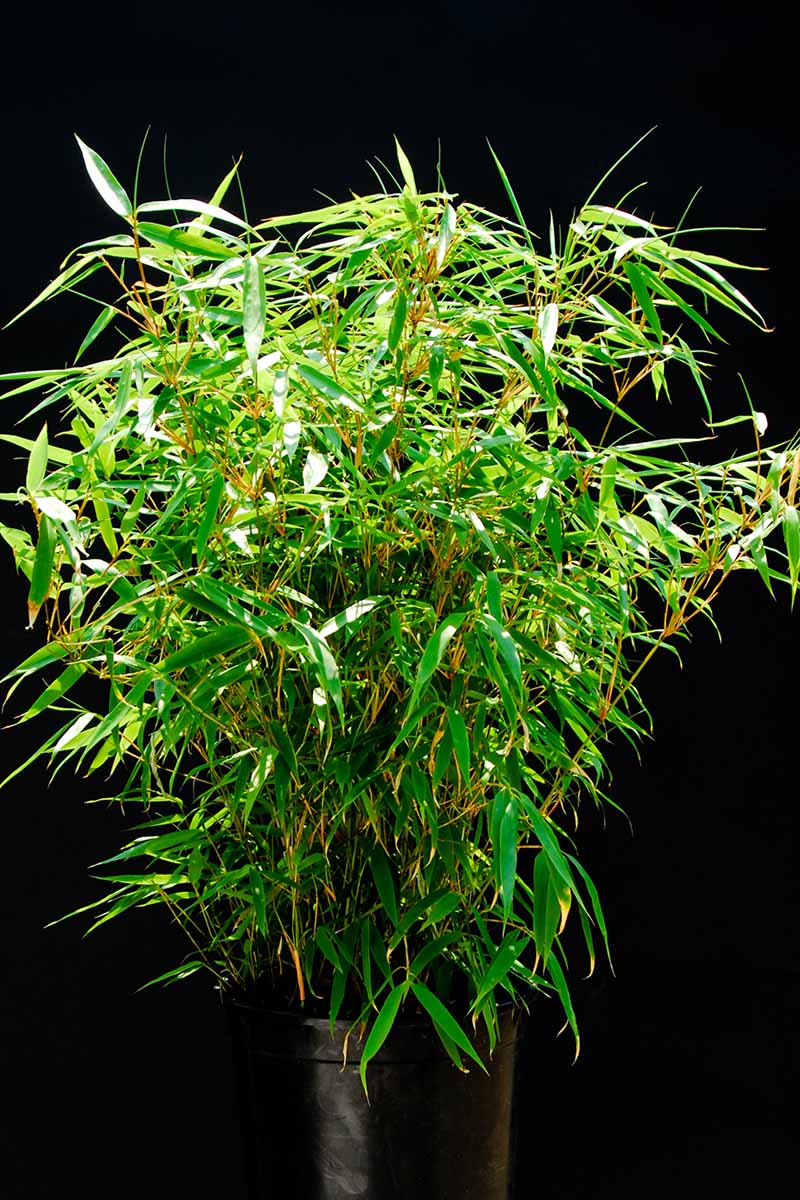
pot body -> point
(429, 1131)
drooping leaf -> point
(42, 575)
(445, 1021)
(381, 1028)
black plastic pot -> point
(430, 1132)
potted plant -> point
(359, 524)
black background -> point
(690, 1054)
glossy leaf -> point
(42, 568)
(254, 304)
(37, 463)
(444, 1021)
(381, 1028)
(106, 183)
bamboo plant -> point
(359, 525)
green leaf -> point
(58, 688)
(559, 979)
(186, 243)
(327, 386)
(596, 906)
(37, 463)
(254, 310)
(494, 595)
(791, 536)
(208, 212)
(444, 1021)
(435, 367)
(405, 168)
(507, 647)
(545, 834)
(382, 874)
(326, 944)
(106, 183)
(446, 231)
(433, 654)
(398, 321)
(548, 327)
(381, 1028)
(42, 568)
(512, 197)
(259, 900)
(504, 846)
(644, 298)
(460, 739)
(98, 325)
(221, 641)
(210, 510)
(353, 614)
(326, 668)
(506, 955)
(120, 405)
(551, 902)
(54, 454)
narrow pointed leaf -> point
(548, 327)
(254, 314)
(106, 183)
(37, 463)
(42, 568)
(381, 1028)
(405, 168)
(445, 1021)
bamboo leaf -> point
(259, 900)
(556, 973)
(551, 901)
(381, 1028)
(644, 298)
(382, 874)
(507, 647)
(106, 183)
(548, 327)
(210, 645)
(210, 510)
(187, 243)
(37, 463)
(791, 535)
(444, 1021)
(352, 615)
(508, 952)
(42, 568)
(405, 168)
(433, 655)
(58, 688)
(98, 325)
(446, 232)
(398, 321)
(314, 470)
(254, 310)
(460, 740)
(327, 387)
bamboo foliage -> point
(362, 529)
